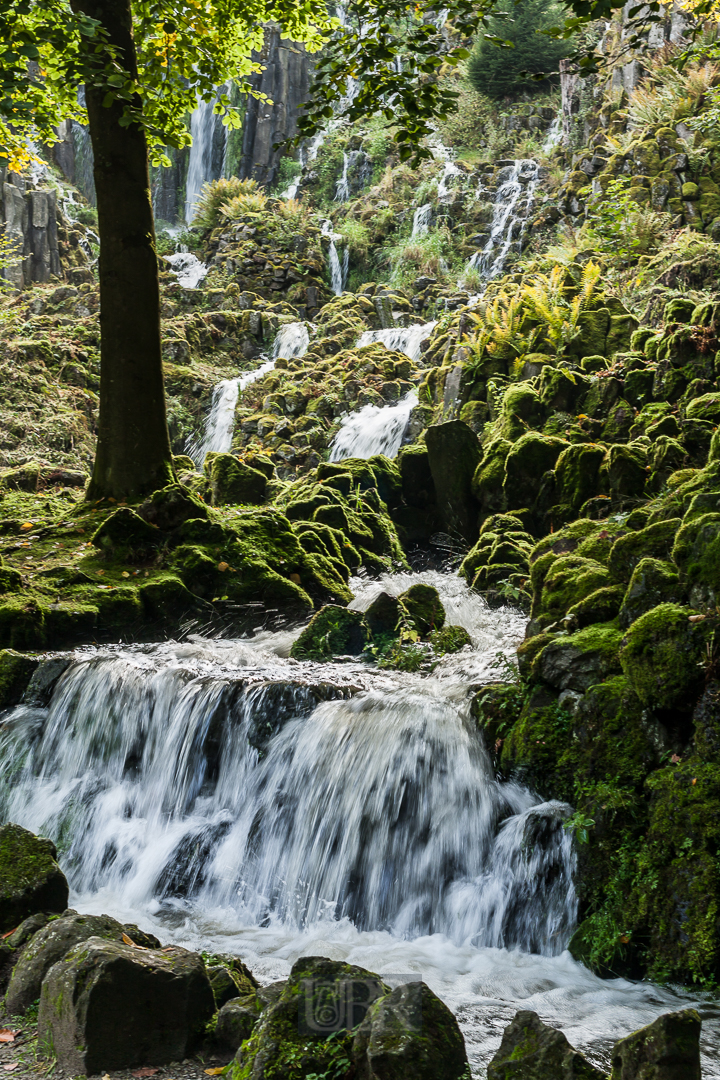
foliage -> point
(251, 202)
(669, 95)
(288, 171)
(415, 255)
(527, 54)
(217, 194)
(617, 226)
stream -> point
(229, 798)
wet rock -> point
(424, 606)
(334, 631)
(112, 1006)
(16, 670)
(49, 945)
(667, 1049)
(449, 640)
(235, 1022)
(663, 656)
(383, 615)
(530, 1050)
(409, 1033)
(580, 660)
(30, 878)
(454, 454)
(171, 506)
(26, 929)
(44, 679)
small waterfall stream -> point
(338, 271)
(203, 123)
(230, 799)
(513, 204)
(374, 429)
(292, 340)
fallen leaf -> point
(696, 618)
(694, 780)
(125, 574)
(295, 578)
(675, 759)
(222, 567)
(6, 1035)
(145, 1071)
(12, 1065)
(101, 572)
(9, 933)
(129, 941)
(26, 525)
(215, 1072)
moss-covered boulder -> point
(696, 553)
(531, 1050)
(454, 454)
(424, 607)
(663, 654)
(450, 639)
(531, 456)
(577, 661)
(110, 1006)
(125, 535)
(333, 631)
(169, 507)
(234, 1024)
(384, 615)
(30, 878)
(232, 482)
(410, 1032)
(669, 1047)
(16, 671)
(653, 542)
(653, 582)
(577, 474)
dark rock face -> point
(30, 878)
(49, 945)
(530, 1050)
(235, 1023)
(409, 1033)
(454, 453)
(285, 79)
(112, 1006)
(31, 224)
(383, 614)
(667, 1049)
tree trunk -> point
(133, 454)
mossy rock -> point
(450, 639)
(232, 482)
(577, 473)
(567, 580)
(333, 631)
(170, 507)
(696, 553)
(627, 471)
(417, 483)
(487, 481)
(16, 671)
(30, 878)
(531, 456)
(521, 409)
(125, 535)
(536, 742)
(531, 1050)
(601, 606)
(454, 455)
(496, 707)
(653, 582)
(653, 542)
(670, 1046)
(663, 654)
(424, 607)
(577, 661)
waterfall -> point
(374, 429)
(201, 166)
(513, 204)
(187, 268)
(554, 134)
(404, 339)
(421, 220)
(342, 188)
(336, 269)
(292, 340)
(217, 774)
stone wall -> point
(30, 220)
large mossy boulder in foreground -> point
(530, 1050)
(424, 606)
(113, 1006)
(30, 878)
(667, 1049)
(308, 1029)
(234, 482)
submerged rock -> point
(530, 1050)
(30, 878)
(112, 1006)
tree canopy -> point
(499, 71)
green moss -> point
(16, 671)
(653, 542)
(450, 639)
(696, 553)
(662, 656)
(332, 631)
(424, 608)
(653, 582)
(577, 474)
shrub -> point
(499, 71)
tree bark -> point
(133, 455)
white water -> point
(371, 830)
(374, 429)
(421, 220)
(187, 268)
(200, 170)
(554, 134)
(342, 188)
(513, 204)
(337, 280)
(404, 339)
(292, 340)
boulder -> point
(577, 661)
(424, 606)
(16, 670)
(663, 656)
(112, 1006)
(383, 615)
(454, 453)
(232, 481)
(409, 1033)
(530, 1050)
(333, 631)
(235, 1022)
(170, 507)
(49, 945)
(30, 878)
(667, 1049)
(124, 534)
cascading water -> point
(203, 123)
(187, 268)
(404, 339)
(342, 188)
(513, 203)
(337, 280)
(554, 134)
(421, 220)
(229, 799)
(374, 429)
(292, 340)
